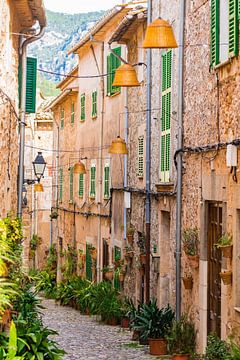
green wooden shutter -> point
(94, 104)
(72, 113)
(233, 28)
(62, 116)
(106, 181)
(81, 185)
(115, 64)
(83, 99)
(88, 264)
(117, 257)
(60, 184)
(166, 116)
(31, 84)
(93, 182)
(109, 71)
(239, 10)
(215, 32)
(71, 185)
(140, 156)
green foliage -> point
(70, 256)
(35, 242)
(235, 352)
(153, 322)
(217, 349)
(225, 240)
(182, 338)
(71, 289)
(191, 241)
(46, 282)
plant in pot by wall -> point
(128, 253)
(187, 280)
(53, 215)
(182, 339)
(154, 324)
(141, 243)
(108, 273)
(217, 349)
(120, 272)
(225, 245)
(93, 252)
(191, 246)
(130, 235)
(127, 309)
(226, 277)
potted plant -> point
(128, 253)
(53, 215)
(127, 309)
(143, 258)
(108, 273)
(225, 245)
(93, 252)
(182, 339)
(154, 325)
(217, 349)
(191, 246)
(226, 277)
(130, 235)
(187, 281)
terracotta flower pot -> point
(130, 239)
(121, 277)
(135, 335)
(180, 357)
(188, 282)
(93, 254)
(158, 346)
(125, 322)
(113, 321)
(226, 277)
(108, 275)
(193, 261)
(143, 259)
(226, 251)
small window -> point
(140, 156)
(62, 115)
(94, 104)
(71, 185)
(83, 100)
(93, 181)
(81, 185)
(106, 182)
(112, 64)
(72, 113)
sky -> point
(79, 6)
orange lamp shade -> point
(79, 168)
(118, 146)
(160, 35)
(126, 76)
(38, 187)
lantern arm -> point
(140, 64)
(117, 56)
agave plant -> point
(153, 322)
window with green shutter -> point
(93, 181)
(31, 84)
(62, 116)
(71, 185)
(166, 116)
(72, 113)
(112, 64)
(239, 10)
(94, 104)
(224, 33)
(106, 182)
(117, 257)
(88, 263)
(140, 157)
(60, 184)
(81, 185)
(83, 103)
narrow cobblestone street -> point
(83, 338)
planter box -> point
(193, 261)
(226, 251)
(188, 282)
(226, 277)
(158, 346)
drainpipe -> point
(55, 186)
(148, 160)
(125, 183)
(179, 160)
(23, 54)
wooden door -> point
(214, 268)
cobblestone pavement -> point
(83, 338)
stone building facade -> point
(87, 117)
(15, 16)
(210, 183)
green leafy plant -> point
(35, 242)
(153, 322)
(182, 338)
(224, 240)
(191, 241)
(217, 349)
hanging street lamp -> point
(126, 76)
(159, 35)
(39, 165)
(118, 146)
(38, 187)
(79, 168)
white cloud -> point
(79, 6)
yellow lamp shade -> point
(118, 146)
(160, 35)
(79, 168)
(126, 76)
(38, 187)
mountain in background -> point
(62, 33)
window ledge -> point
(165, 187)
(224, 63)
(237, 309)
(113, 95)
(94, 117)
(70, 202)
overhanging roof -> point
(30, 11)
(61, 97)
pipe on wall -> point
(23, 55)
(179, 160)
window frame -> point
(94, 104)
(106, 182)
(83, 107)
(92, 193)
